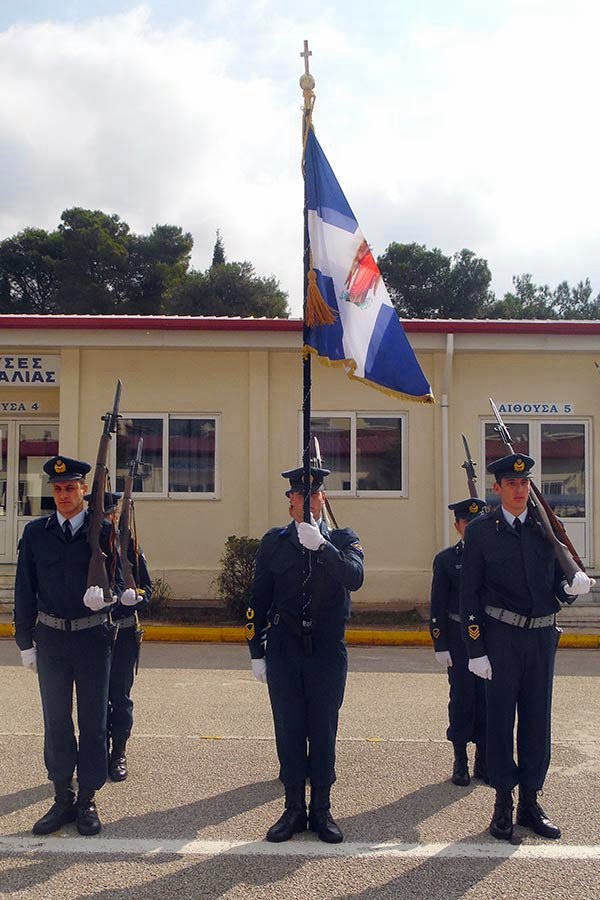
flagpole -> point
(307, 83)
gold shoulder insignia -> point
(60, 467)
(474, 632)
(519, 465)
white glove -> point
(444, 658)
(259, 670)
(94, 598)
(481, 667)
(29, 659)
(581, 584)
(309, 535)
(129, 597)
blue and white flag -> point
(366, 336)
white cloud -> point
(448, 137)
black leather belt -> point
(513, 618)
(72, 624)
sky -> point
(466, 124)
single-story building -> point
(218, 401)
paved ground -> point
(191, 819)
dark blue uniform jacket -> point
(337, 569)
(445, 593)
(501, 569)
(52, 574)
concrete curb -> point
(354, 636)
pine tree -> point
(219, 252)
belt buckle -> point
(528, 623)
(67, 625)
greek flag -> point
(350, 319)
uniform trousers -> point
(522, 661)
(466, 707)
(81, 659)
(306, 693)
(120, 704)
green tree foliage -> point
(94, 264)
(427, 284)
(234, 583)
(218, 252)
(229, 289)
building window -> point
(179, 454)
(364, 452)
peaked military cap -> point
(62, 468)
(296, 479)
(517, 465)
(110, 500)
(468, 509)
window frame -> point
(354, 415)
(165, 494)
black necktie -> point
(67, 530)
(517, 526)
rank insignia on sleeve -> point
(249, 631)
(436, 633)
(474, 632)
(249, 613)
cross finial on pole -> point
(306, 53)
(307, 82)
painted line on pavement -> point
(368, 739)
(301, 847)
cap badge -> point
(519, 465)
(473, 508)
(60, 467)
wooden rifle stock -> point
(544, 515)
(130, 575)
(98, 573)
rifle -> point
(98, 573)
(469, 467)
(327, 512)
(544, 515)
(126, 521)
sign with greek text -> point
(529, 408)
(29, 371)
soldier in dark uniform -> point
(305, 668)
(511, 586)
(125, 652)
(63, 628)
(466, 709)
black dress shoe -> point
(531, 815)
(59, 814)
(321, 822)
(501, 826)
(292, 822)
(117, 767)
(88, 821)
(460, 770)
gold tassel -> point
(317, 311)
